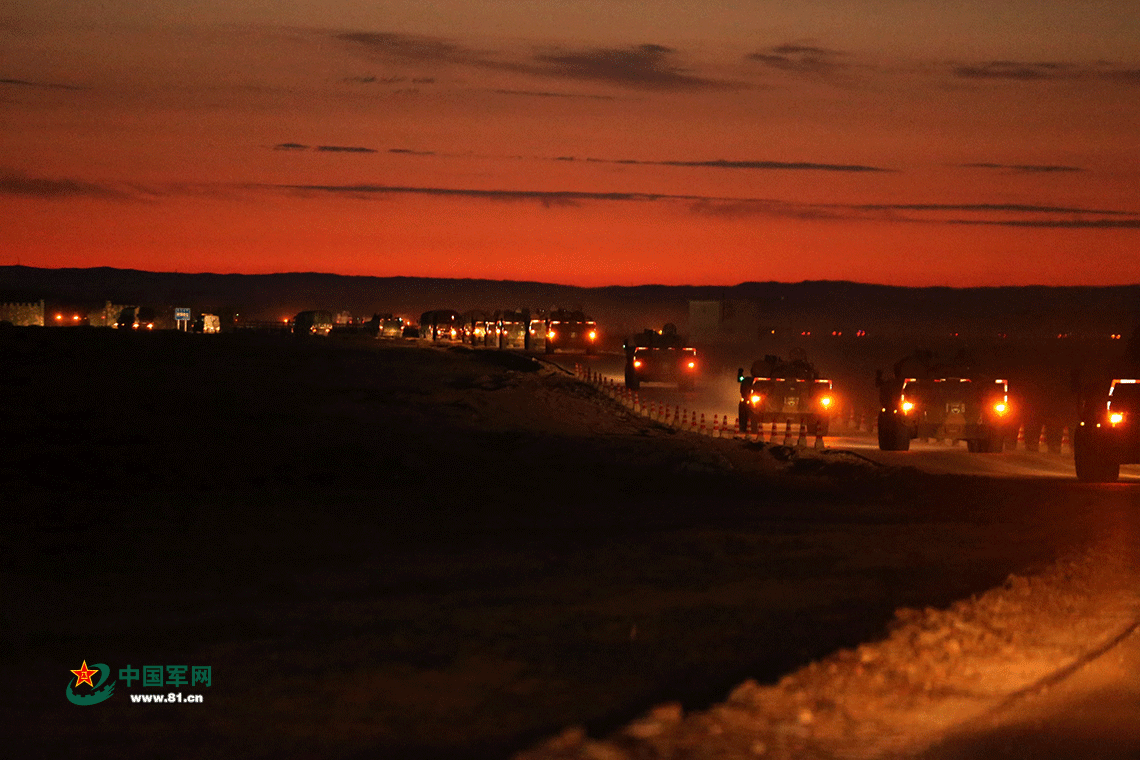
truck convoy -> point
(942, 401)
(660, 356)
(785, 391)
(1108, 432)
(570, 330)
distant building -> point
(725, 321)
(23, 314)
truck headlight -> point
(1116, 418)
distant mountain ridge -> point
(844, 304)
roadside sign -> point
(182, 315)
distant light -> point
(1000, 408)
(907, 406)
(1116, 418)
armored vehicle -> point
(660, 356)
(785, 390)
(570, 330)
(441, 324)
(1108, 433)
(313, 323)
(513, 328)
(942, 401)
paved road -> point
(717, 399)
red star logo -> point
(83, 675)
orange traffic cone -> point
(1042, 445)
(702, 430)
(1020, 445)
(801, 439)
(772, 437)
(1066, 446)
(736, 434)
(788, 433)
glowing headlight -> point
(692, 365)
(755, 399)
(551, 335)
(636, 363)
(1116, 418)
(1000, 407)
(825, 401)
(907, 406)
(593, 335)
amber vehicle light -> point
(1116, 418)
(825, 401)
(593, 335)
(907, 406)
(692, 365)
(1001, 408)
(637, 362)
(755, 398)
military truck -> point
(477, 328)
(660, 356)
(316, 322)
(1108, 432)
(785, 390)
(513, 328)
(570, 330)
(441, 324)
(926, 399)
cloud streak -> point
(642, 67)
(55, 189)
(1014, 215)
(1024, 168)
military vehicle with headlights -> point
(660, 356)
(1108, 432)
(928, 400)
(570, 330)
(785, 391)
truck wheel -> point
(892, 436)
(1091, 464)
(902, 438)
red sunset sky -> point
(598, 142)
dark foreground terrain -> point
(395, 550)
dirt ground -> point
(395, 550)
